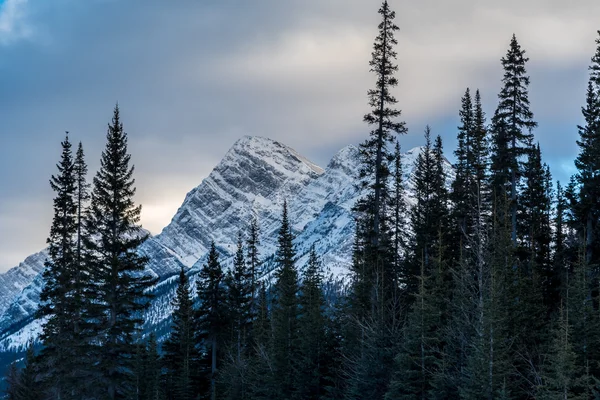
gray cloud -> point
(191, 77)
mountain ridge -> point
(251, 181)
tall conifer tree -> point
(120, 285)
(512, 127)
(60, 297)
(310, 379)
(285, 310)
(179, 352)
(211, 317)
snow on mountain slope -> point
(18, 278)
(253, 180)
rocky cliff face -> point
(252, 181)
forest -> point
(487, 289)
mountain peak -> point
(271, 151)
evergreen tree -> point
(488, 364)
(559, 247)
(29, 387)
(512, 127)
(262, 381)
(595, 67)
(239, 296)
(211, 318)
(152, 370)
(285, 310)
(479, 158)
(430, 215)
(416, 364)
(253, 257)
(310, 378)
(141, 353)
(179, 349)
(398, 207)
(119, 291)
(535, 223)
(586, 211)
(61, 295)
(560, 376)
(12, 381)
(374, 152)
(462, 186)
(238, 281)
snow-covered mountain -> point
(253, 179)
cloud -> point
(13, 21)
(193, 76)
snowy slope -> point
(252, 180)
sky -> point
(191, 77)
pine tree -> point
(61, 295)
(12, 381)
(152, 370)
(374, 152)
(512, 127)
(262, 381)
(479, 157)
(120, 287)
(430, 214)
(141, 353)
(587, 178)
(82, 274)
(253, 257)
(285, 310)
(29, 387)
(488, 364)
(535, 222)
(398, 207)
(310, 378)
(559, 247)
(211, 317)
(238, 281)
(595, 67)
(179, 350)
(462, 187)
(416, 364)
(239, 288)
(560, 377)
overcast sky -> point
(192, 76)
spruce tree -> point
(30, 387)
(285, 310)
(488, 364)
(595, 67)
(374, 271)
(152, 370)
(374, 152)
(61, 294)
(238, 282)
(416, 364)
(119, 290)
(512, 127)
(262, 381)
(11, 382)
(211, 318)
(179, 353)
(398, 208)
(560, 375)
(253, 257)
(430, 215)
(462, 186)
(310, 378)
(586, 210)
